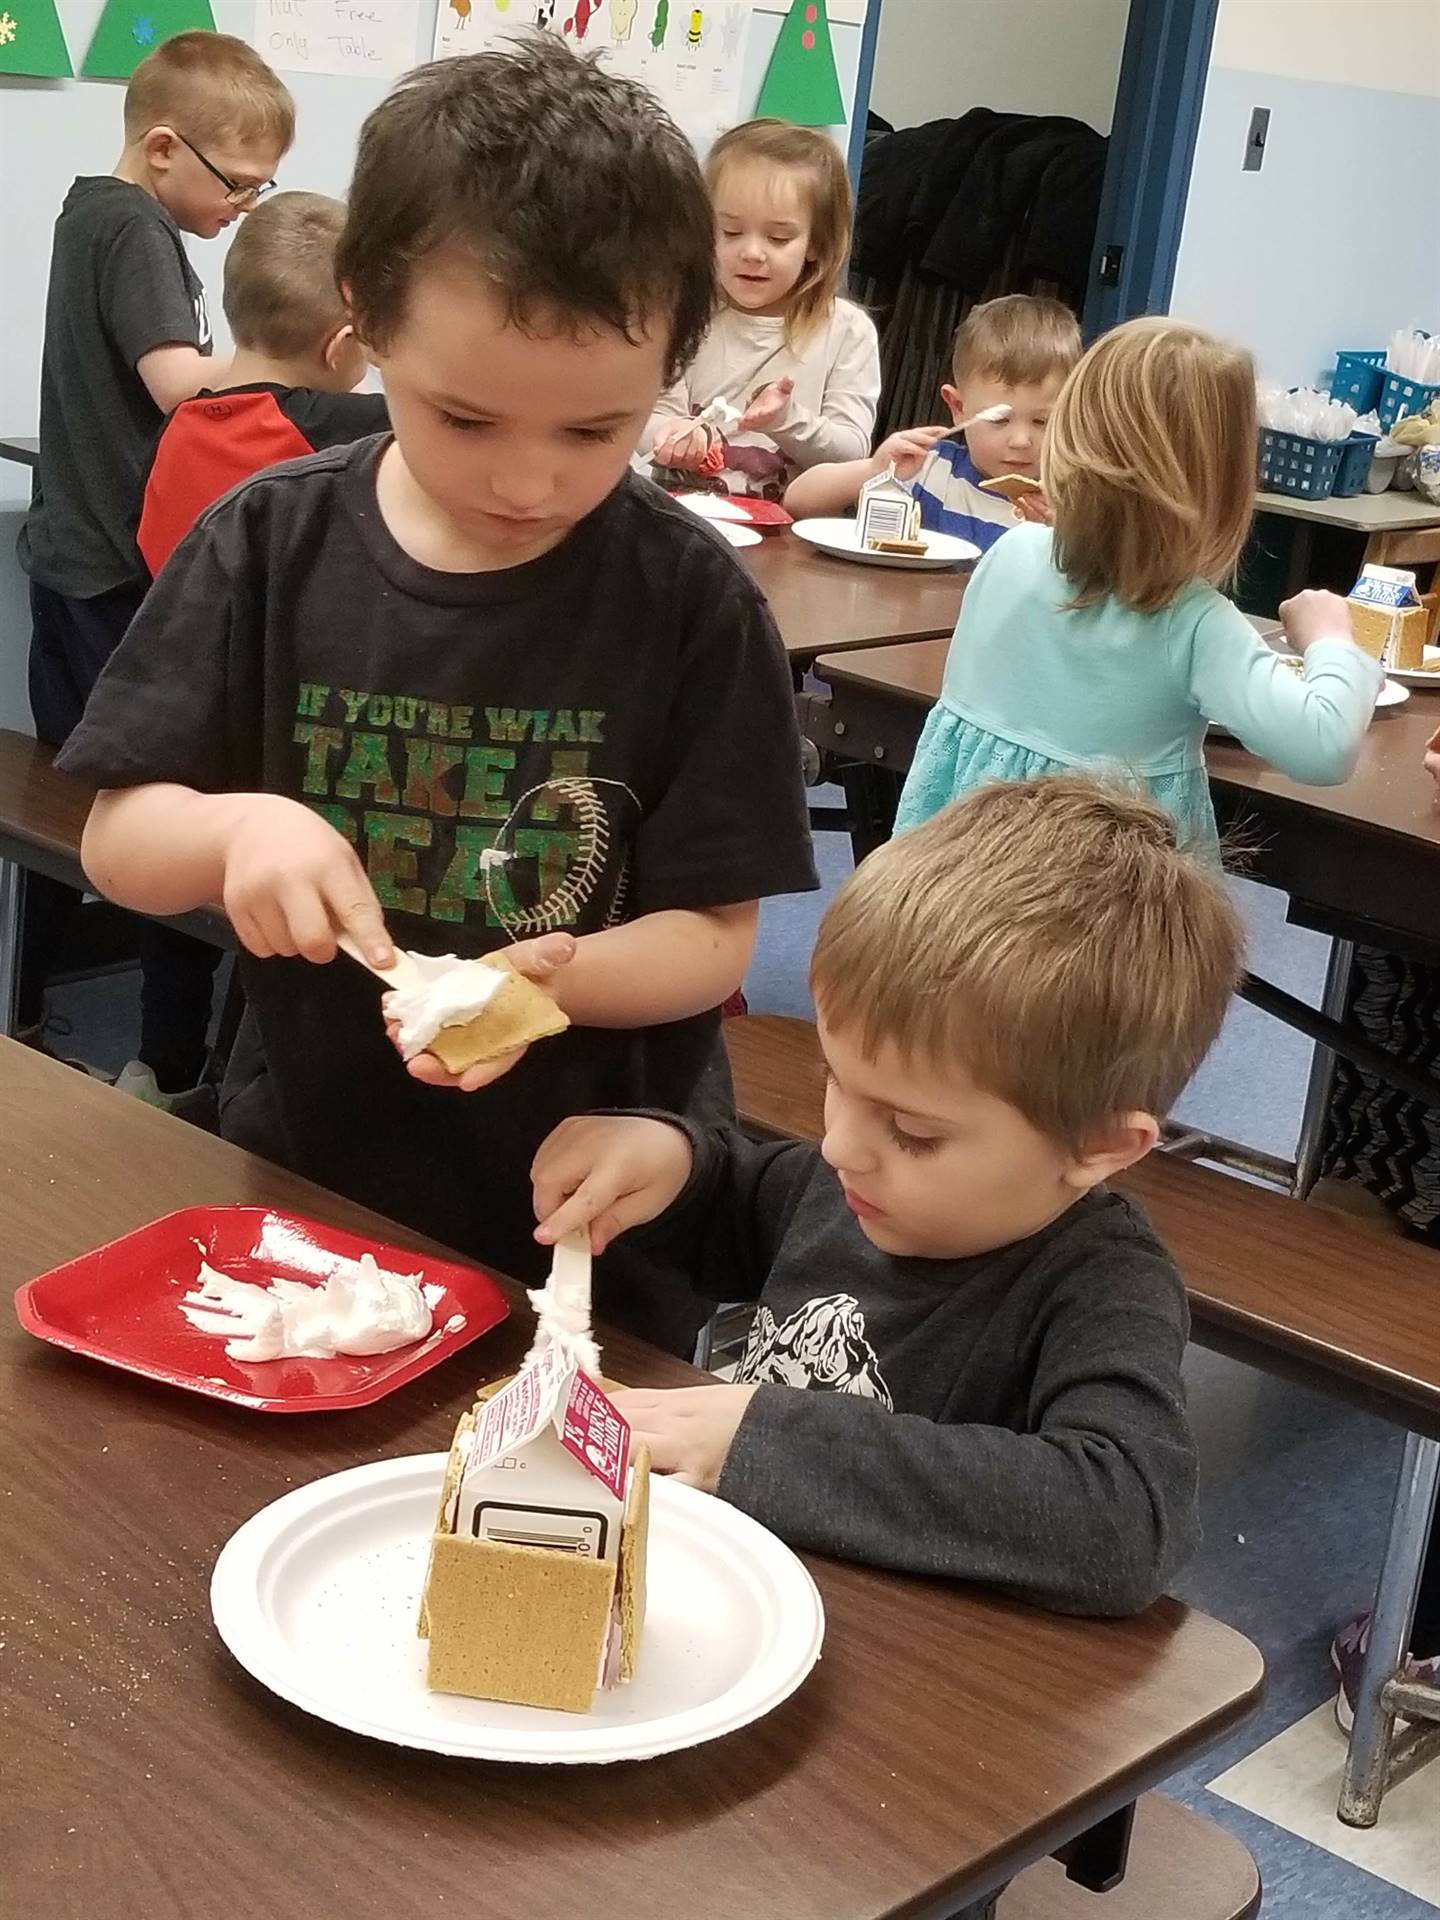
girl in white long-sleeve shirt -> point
(794, 368)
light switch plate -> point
(1255, 140)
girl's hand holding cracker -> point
(1432, 756)
(537, 960)
(1312, 615)
(607, 1172)
(292, 884)
(688, 1430)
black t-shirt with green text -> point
(601, 733)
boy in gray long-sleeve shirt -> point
(1008, 997)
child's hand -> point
(689, 1430)
(908, 450)
(1312, 615)
(538, 960)
(606, 1172)
(683, 446)
(1432, 756)
(292, 883)
(1035, 508)
(768, 405)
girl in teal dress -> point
(1106, 643)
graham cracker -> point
(518, 1013)
(1011, 486)
(454, 1468)
(634, 1545)
(520, 1624)
(1374, 628)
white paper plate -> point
(317, 1595)
(711, 506)
(737, 536)
(1430, 678)
(839, 537)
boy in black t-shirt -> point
(478, 681)
(289, 389)
(127, 337)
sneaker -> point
(196, 1104)
(1347, 1656)
(38, 1036)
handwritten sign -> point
(370, 38)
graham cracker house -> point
(888, 514)
(535, 1591)
(1388, 619)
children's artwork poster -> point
(691, 56)
(371, 39)
(31, 40)
(130, 30)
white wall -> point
(936, 58)
(1336, 241)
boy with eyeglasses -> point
(127, 338)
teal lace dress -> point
(1035, 687)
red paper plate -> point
(768, 516)
(121, 1305)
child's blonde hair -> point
(209, 86)
(771, 146)
(1019, 340)
(1149, 464)
(1047, 936)
(281, 295)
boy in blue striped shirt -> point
(1015, 353)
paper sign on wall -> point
(373, 39)
(692, 57)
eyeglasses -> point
(236, 195)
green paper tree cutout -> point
(31, 41)
(801, 83)
(131, 29)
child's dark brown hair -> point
(568, 189)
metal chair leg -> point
(1311, 1143)
(12, 915)
(705, 1343)
(1367, 1767)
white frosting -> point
(439, 990)
(359, 1309)
(562, 1308)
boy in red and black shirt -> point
(288, 391)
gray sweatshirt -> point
(1016, 1418)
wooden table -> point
(826, 605)
(1398, 529)
(946, 1740)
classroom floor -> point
(1296, 1487)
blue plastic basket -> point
(1292, 463)
(1400, 396)
(1358, 379)
(1354, 469)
